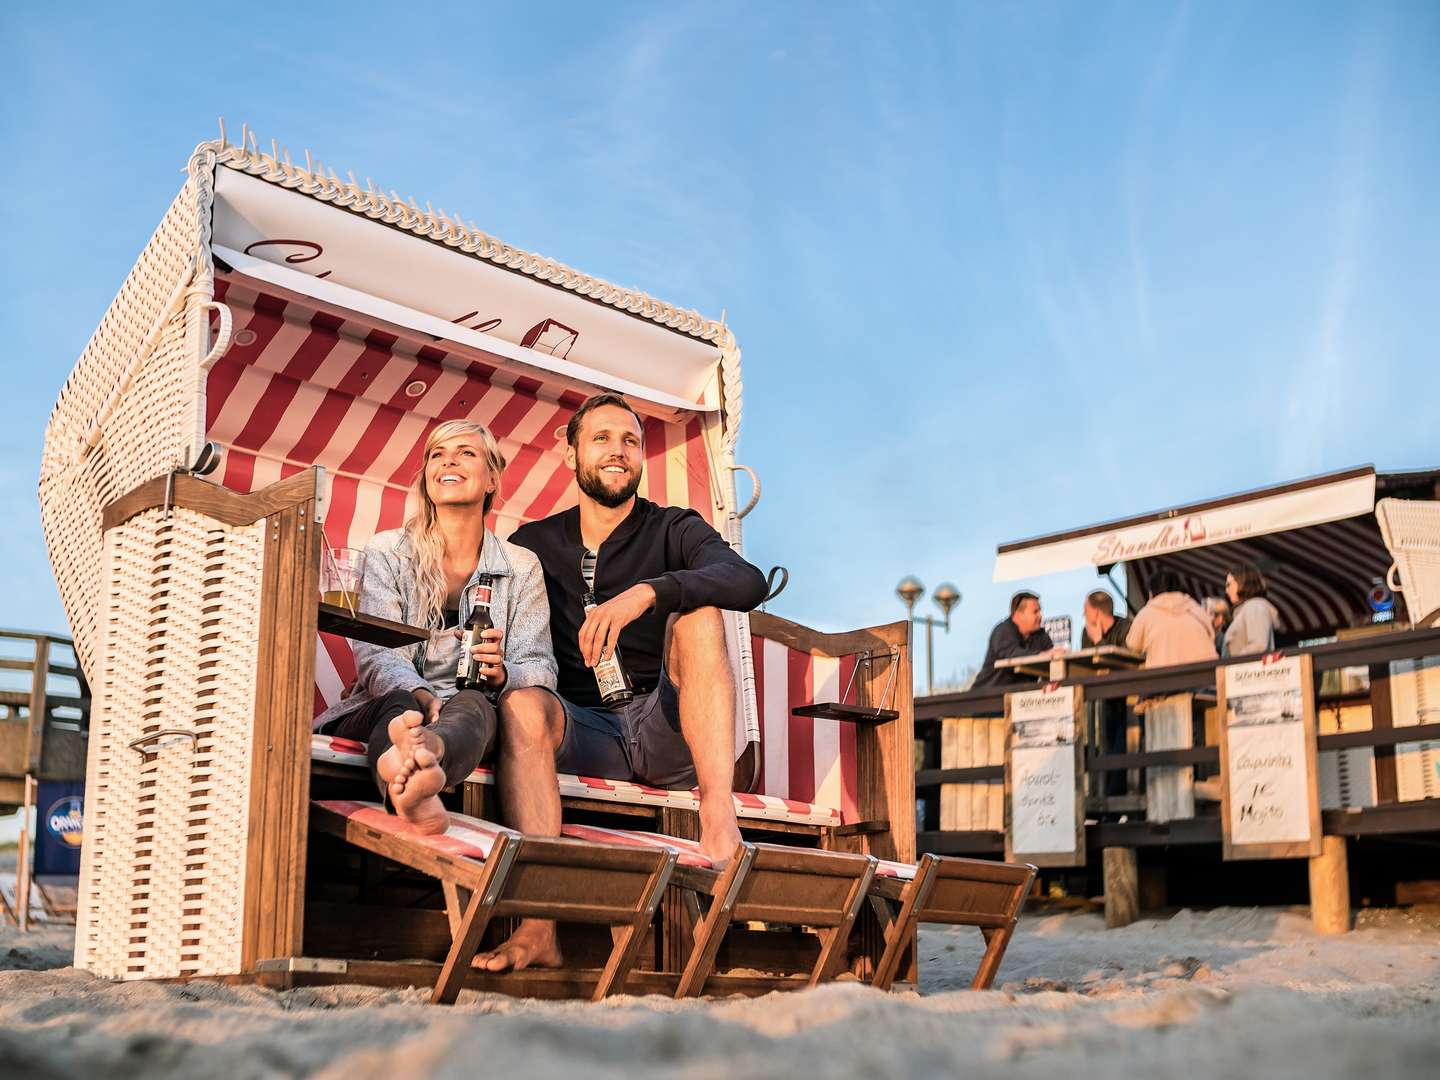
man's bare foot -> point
(532, 945)
(416, 793)
(407, 732)
(719, 833)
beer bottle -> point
(610, 674)
(467, 672)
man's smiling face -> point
(609, 455)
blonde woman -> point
(421, 733)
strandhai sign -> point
(1241, 518)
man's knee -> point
(531, 716)
(696, 637)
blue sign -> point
(60, 829)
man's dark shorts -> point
(639, 741)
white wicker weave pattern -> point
(162, 880)
(1411, 530)
(131, 408)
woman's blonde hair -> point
(426, 541)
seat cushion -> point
(760, 807)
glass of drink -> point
(340, 577)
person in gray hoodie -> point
(1172, 628)
(1252, 627)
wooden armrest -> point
(855, 714)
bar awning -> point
(1319, 499)
(1315, 540)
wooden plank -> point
(980, 755)
(995, 786)
(212, 500)
(874, 638)
(1170, 789)
(280, 769)
(35, 725)
(1382, 718)
(368, 628)
(855, 714)
(956, 748)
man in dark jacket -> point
(1019, 635)
(660, 577)
(1101, 625)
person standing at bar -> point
(1252, 627)
(1103, 628)
(1020, 635)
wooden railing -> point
(43, 730)
(1389, 814)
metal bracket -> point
(139, 744)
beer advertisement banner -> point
(1270, 800)
(1044, 798)
(60, 828)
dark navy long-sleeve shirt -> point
(669, 548)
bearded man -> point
(660, 578)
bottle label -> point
(480, 596)
(608, 678)
(467, 662)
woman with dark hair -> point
(1171, 628)
(1255, 620)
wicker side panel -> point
(153, 424)
(162, 877)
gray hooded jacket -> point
(519, 608)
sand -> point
(1230, 992)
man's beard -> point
(592, 483)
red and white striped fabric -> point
(813, 761)
(688, 850)
(301, 387)
(467, 837)
(760, 807)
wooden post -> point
(27, 856)
(1330, 888)
(35, 728)
(1122, 887)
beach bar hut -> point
(257, 393)
(1352, 564)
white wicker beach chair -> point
(315, 330)
(1411, 530)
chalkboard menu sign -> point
(1044, 803)
(1270, 799)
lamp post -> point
(946, 596)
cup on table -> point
(340, 577)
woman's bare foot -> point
(416, 793)
(407, 731)
(532, 945)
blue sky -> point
(997, 270)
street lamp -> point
(946, 596)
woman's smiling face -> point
(457, 473)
